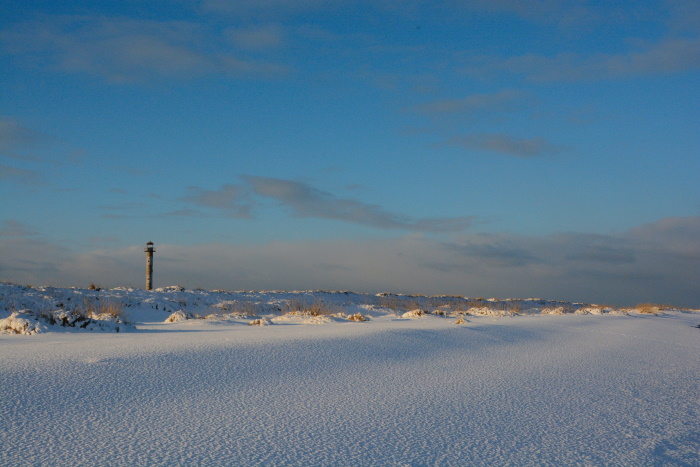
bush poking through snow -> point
(413, 314)
(178, 316)
(21, 323)
(49, 308)
(28, 323)
(43, 315)
(358, 317)
(649, 308)
(260, 322)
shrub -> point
(649, 308)
(20, 323)
(413, 314)
(260, 322)
(357, 317)
(177, 316)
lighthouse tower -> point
(149, 265)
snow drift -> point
(526, 382)
(32, 310)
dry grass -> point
(239, 308)
(401, 304)
(95, 308)
(389, 302)
(81, 316)
(450, 305)
(305, 308)
(651, 308)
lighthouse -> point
(149, 265)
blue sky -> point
(484, 148)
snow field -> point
(528, 390)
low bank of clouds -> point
(657, 262)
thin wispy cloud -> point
(232, 200)
(28, 177)
(122, 49)
(263, 37)
(671, 55)
(184, 213)
(18, 141)
(127, 210)
(565, 13)
(475, 104)
(14, 228)
(506, 144)
(29, 151)
(246, 6)
(307, 201)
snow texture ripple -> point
(522, 390)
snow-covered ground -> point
(525, 382)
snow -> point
(540, 383)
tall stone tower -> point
(149, 265)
